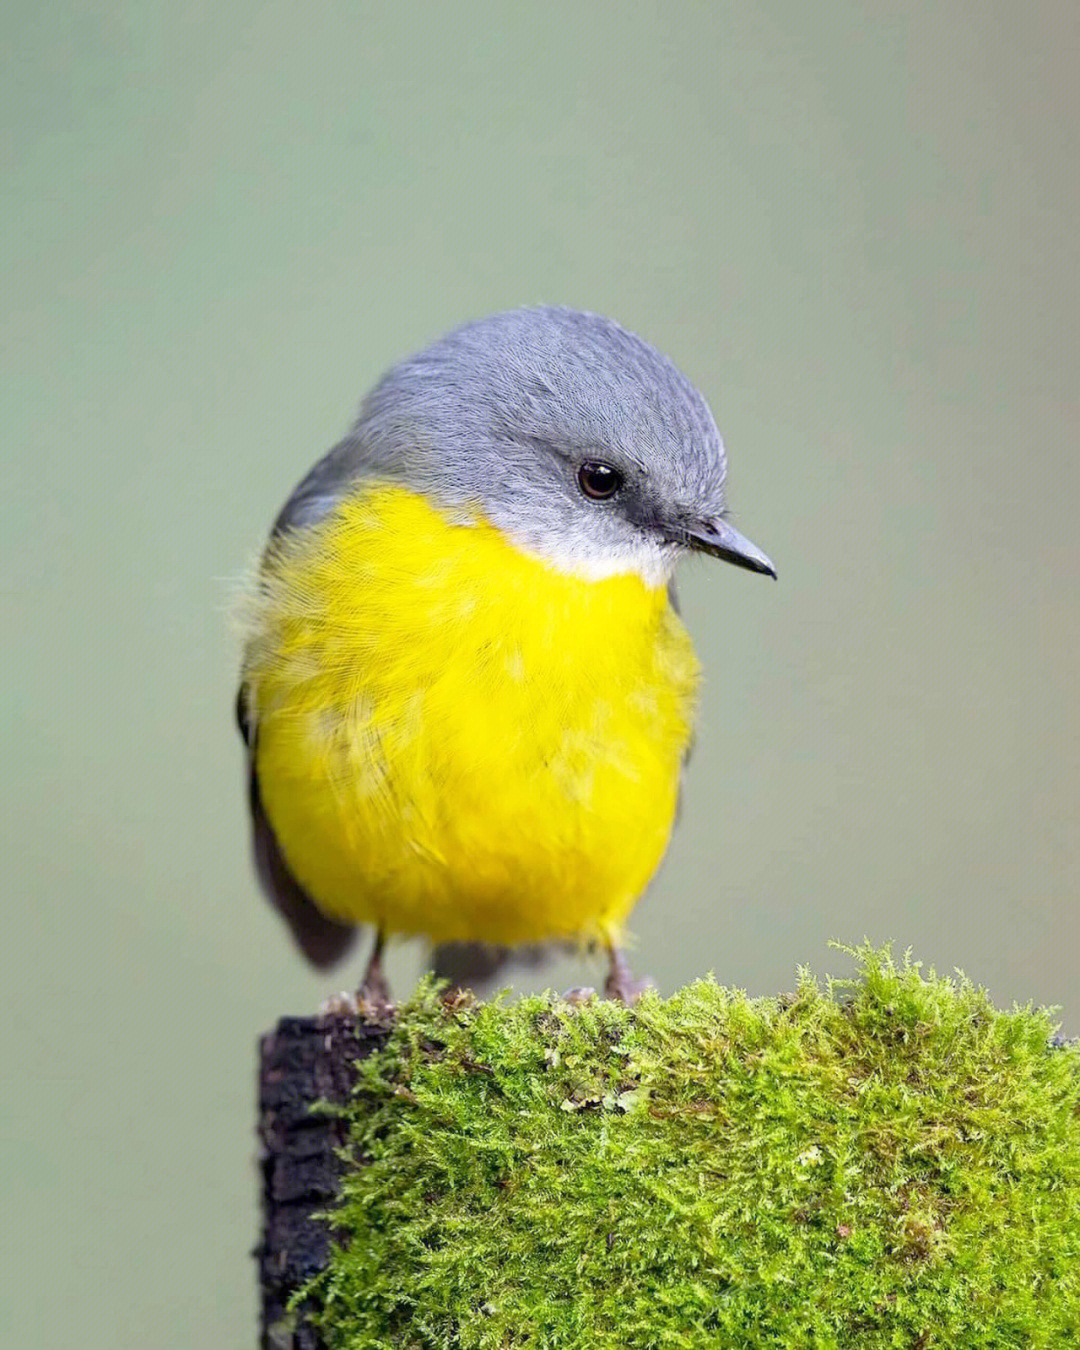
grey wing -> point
(322, 941)
(673, 596)
(322, 487)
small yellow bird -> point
(467, 694)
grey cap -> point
(577, 439)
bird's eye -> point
(599, 480)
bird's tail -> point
(475, 965)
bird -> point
(467, 695)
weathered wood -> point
(304, 1060)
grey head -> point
(577, 439)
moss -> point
(883, 1162)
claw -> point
(580, 994)
(374, 1002)
(620, 984)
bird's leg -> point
(620, 983)
(374, 991)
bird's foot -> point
(374, 1002)
(621, 985)
(342, 1004)
(370, 1004)
(580, 994)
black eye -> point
(599, 480)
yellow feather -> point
(457, 739)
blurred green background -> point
(854, 224)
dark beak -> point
(721, 540)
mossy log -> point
(888, 1161)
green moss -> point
(885, 1162)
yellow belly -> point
(455, 738)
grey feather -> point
(322, 941)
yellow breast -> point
(457, 739)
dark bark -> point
(304, 1060)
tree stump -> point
(304, 1060)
